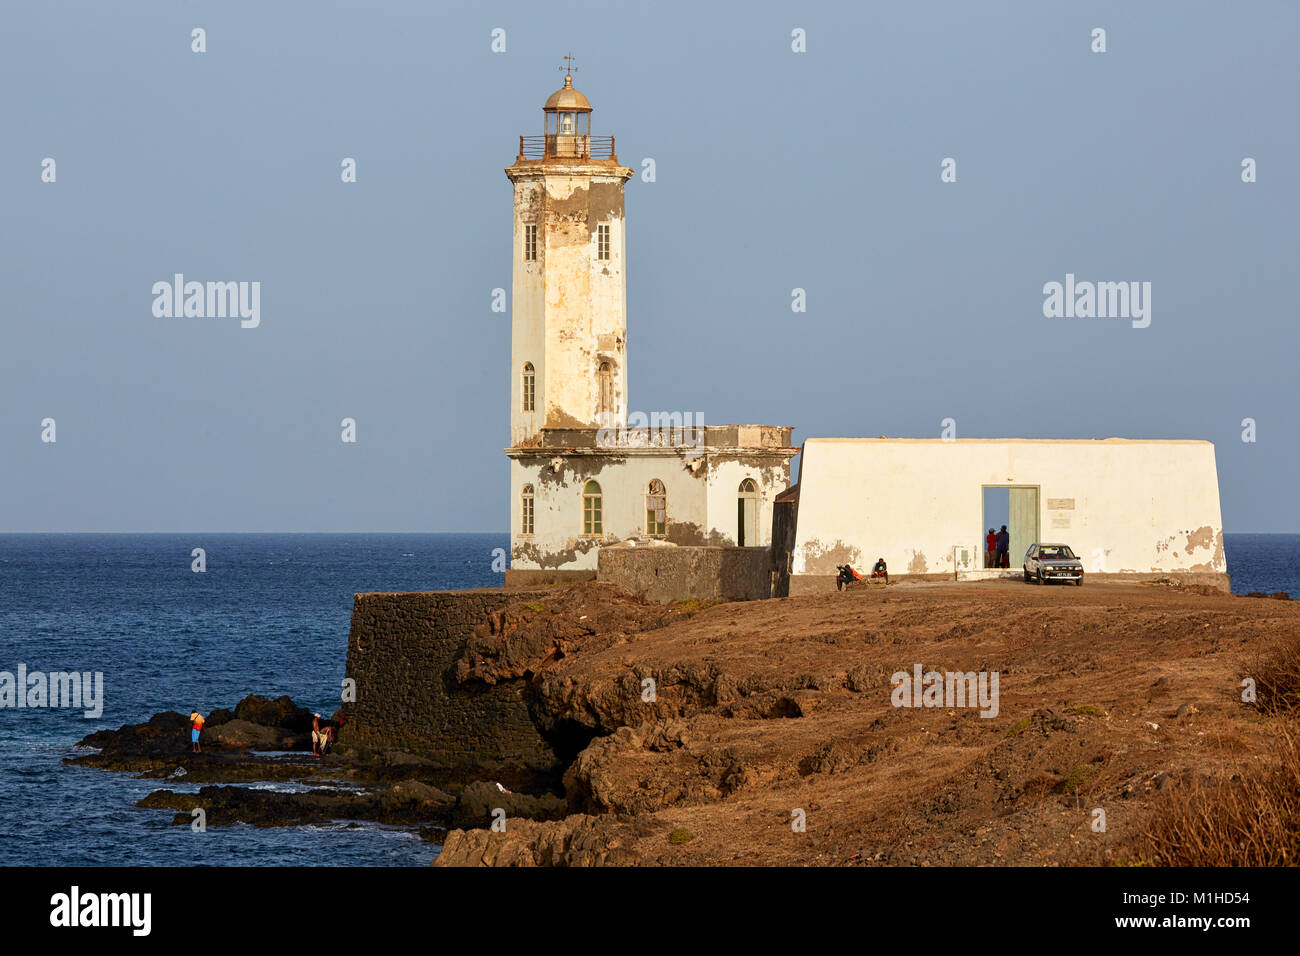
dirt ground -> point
(766, 712)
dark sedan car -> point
(1052, 562)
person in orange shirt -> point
(196, 727)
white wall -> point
(1139, 506)
(725, 476)
(557, 506)
(701, 504)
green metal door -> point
(1023, 525)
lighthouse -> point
(569, 319)
(587, 472)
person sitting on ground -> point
(846, 576)
(881, 570)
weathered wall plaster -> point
(1136, 507)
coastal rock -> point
(580, 653)
(769, 712)
(530, 635)
(647, 769)
(416, 796)
(621, 773)
(574, 841)
(400, 758)
(281, 726)
(481, 799)
(413, 791)
(167, 732)
(243, 734)
(408, 804)
(281, 712)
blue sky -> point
(774, 171)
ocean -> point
(269, 616)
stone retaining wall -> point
(667, 574)
(400, 651)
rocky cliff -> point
(767, 732)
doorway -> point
(1016, 507)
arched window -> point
(591, 508)
(605, 396)
(656, 508)
(529, 388)
(526, 510)
(747, 514)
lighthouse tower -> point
(585, 472)
(569, 323)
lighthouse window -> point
(529, 388)
(604, 392)
(602, 242)
(530, 242)
(526, 516)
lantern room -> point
(567, 112)
(568, 123)
(566, 131)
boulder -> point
(281, 712)
(163, 733)
(245, 734)
(401, 758)
(574, 841)
(413, 791)
(219, 716)
(481, 799)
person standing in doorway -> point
(1004, 545)
(991, 549)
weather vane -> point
(568, 65)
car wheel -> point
(1078, 582)
(1026, 570)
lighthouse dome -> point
(567, 99)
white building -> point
(1131, 508)
(584, 471)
